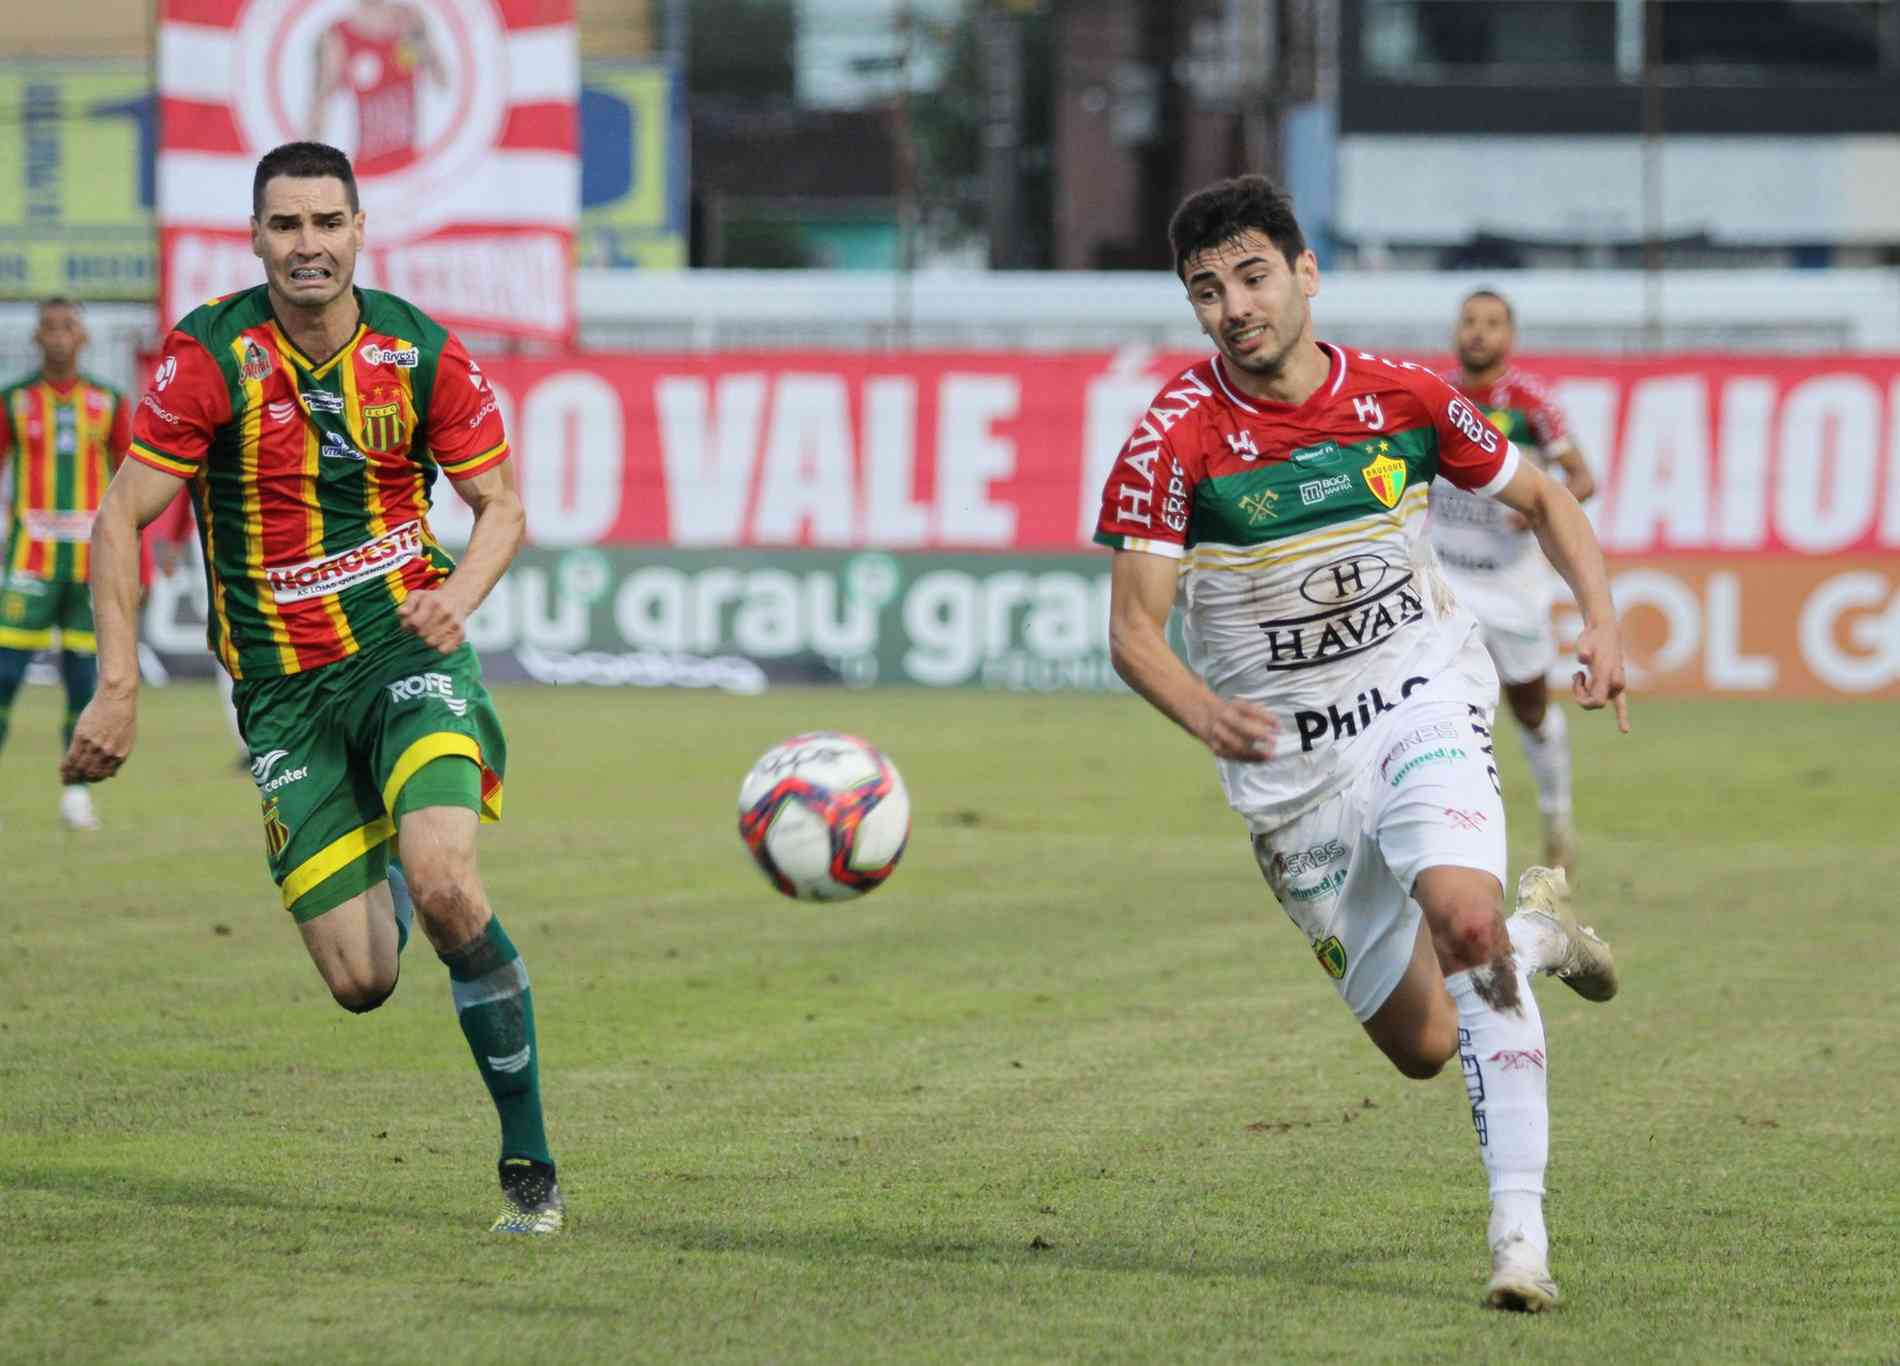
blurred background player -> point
(377, 54)
(1492, 559)
(67, 433)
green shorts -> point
(334, 749)
(32, 609)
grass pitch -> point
(1069, 1088)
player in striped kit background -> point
(66, 432)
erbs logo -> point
(1465, 418)
(439, 686)
(1362, 598)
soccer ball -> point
(825, 815)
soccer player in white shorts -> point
(1491, 559)
(1277, 492)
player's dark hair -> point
(61, 301)
(1510, 314)
(1228, 208)
(302, 161)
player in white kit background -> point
(1277, 493)
(1492, 560)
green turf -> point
(1069, 1088)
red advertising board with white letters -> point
(1751, 505)
(1695, 455)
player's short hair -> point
(1510, 314)
(1227, 208)
(61, 301)
(303, 161)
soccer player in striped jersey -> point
(1491, 559)
(66, 433)
(1277, 491)
(310, 420)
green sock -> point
(66, 731)
(492, 999)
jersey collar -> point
(1260, 407)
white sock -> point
(1502, 1053)
(1548, 749)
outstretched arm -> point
(1141, 596)
(102, 739)
(1571, 545)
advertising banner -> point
(460, 118)
(744, 620)
(75, 179)
(1716, 455)
(633, 166)
(925, 519)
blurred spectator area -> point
(125, 28)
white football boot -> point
(1520, 1278)
(1574, 954)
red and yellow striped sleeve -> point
(187, 402)
(464, 423)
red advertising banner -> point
(1696, 455)
(461, 120)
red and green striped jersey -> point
(312, 478)
(65, 440)
(1307, 579)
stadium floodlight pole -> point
(905, 173)
(1652, 175)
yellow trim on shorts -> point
(334, 857)
(443, 744)
(14, 638)
(81, 642)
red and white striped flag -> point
(461, 119)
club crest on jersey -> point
(1241, 444)
(383, 426)
(1386, 478)
(255, 364)
(1259, 506)
(1501, 419)
(1332, 956)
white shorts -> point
(1522, 656)
(1343, 872)
(1513, 613)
